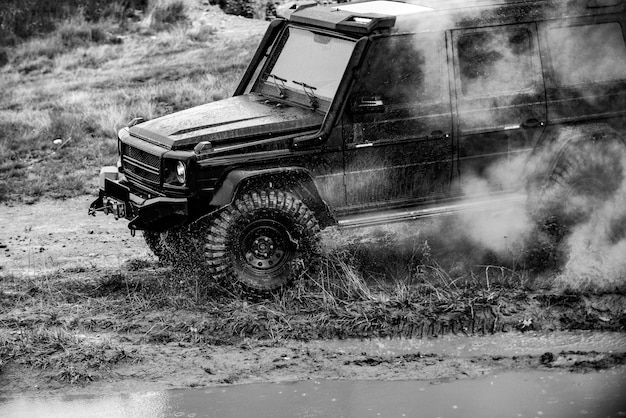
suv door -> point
(586, 67)
(397, 130)
(500, 100)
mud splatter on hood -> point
(236, 118)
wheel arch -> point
(555, 143)
(296, 180)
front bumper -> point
(153, 214)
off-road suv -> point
(376, 111)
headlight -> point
(181, 172)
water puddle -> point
(537, 394)
(501, 344)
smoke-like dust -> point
(592, 251)
(498, 227)
(504, 64)
(596, 248)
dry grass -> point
(80, 84)
(73, 357)
(48, 321)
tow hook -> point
(132, 226)
(114, 207)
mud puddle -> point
(509, 394)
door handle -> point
(531, 123)
(437, 135)
(369, 105)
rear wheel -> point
(585, 178)
(580, 189)
(262, 240)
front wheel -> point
(261, 240)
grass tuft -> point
(72, 357)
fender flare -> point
(297, 180)
(556, 147)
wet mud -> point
(84, 307)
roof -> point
(371, 16)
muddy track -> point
(84, 306)
(176, 364)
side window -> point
(587, 53)
(495, 61)
(403, 69)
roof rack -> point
(375, 16)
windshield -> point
(306, 68)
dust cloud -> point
(498, 228)
(583, 58)
(498, 75)
(591, 252)
(596, 249)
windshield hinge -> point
(282, 91)
(310, 93)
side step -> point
(490, 204)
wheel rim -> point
(265, 249)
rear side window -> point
(587, 53)
(495, 61)
(403, 69)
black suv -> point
(378, 111)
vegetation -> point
(72, 322)
(257, 9)
(63, 96)
(73, 357)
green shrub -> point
(38, 53)
(270, 10)
(22, 19)
(49, 47)
(39, 65)
(246, 8)
(164, 14)
(77, 32)
(201, 33)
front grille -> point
(141, 163)
(143, 156)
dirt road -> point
(53, 235)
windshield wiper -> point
(282, 91)
(310, 93)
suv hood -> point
(236, 118)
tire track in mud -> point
(97, 288)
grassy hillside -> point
(65, 93)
